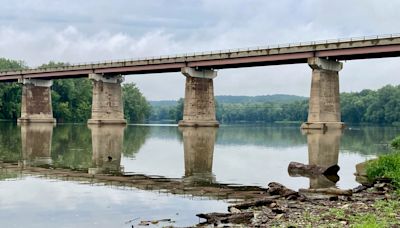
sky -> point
(39, 31)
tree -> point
(136, 107)
(10, 93)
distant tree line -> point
(72, 99)
(380, 106)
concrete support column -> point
(324, 105)
(107, 144)
(198, 145)
(36, 101)
(199, 105)
(36, 143)
(107, 105)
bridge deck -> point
(342, 49)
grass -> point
(383, 213)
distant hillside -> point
(227, 99)
(163, 103)
(276, 98)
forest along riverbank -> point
(376, 204)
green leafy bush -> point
(386, 166)
(396, 143)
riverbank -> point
(376, 205)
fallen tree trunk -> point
(299, 169)
(215, 218)
(255, 203)
(328, 191)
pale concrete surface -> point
(36, 143)
(324, 103)
(107, 104)
(107, 144)
(199, 104)
(36, 104)
(191, 72)
(198, 145)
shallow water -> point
(75, 176)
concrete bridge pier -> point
(36, 101)
(324, 105)
(199, 105)
(107, 105)
(198, 145)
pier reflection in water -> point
(198, 145)
(36, 141)
(107, 144)
(323, 152)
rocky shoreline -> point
(283, 207)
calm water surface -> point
(76, 176)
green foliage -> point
(381, 106)
(276, 98)
(385, 166)
(136, 107)
(10, 93)
(134, 138)
(71, 147)
(10, 142)
(395, 143)
(72, 100)
(7, 64)
(52, 64)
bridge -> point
(200, 69)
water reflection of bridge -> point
(198, 143)
(107, 146)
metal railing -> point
(207, 53)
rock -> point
(254, 203)
(144, 223)
(234, 210)
(328, 191)
(299, 169)
(216, 218)
(278, 189)
(359, 188)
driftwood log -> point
(328, 191)
(299, 169)
(216, 218)
(278, 189)
(266, 201)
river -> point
(72, 175)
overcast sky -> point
(39, 31)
